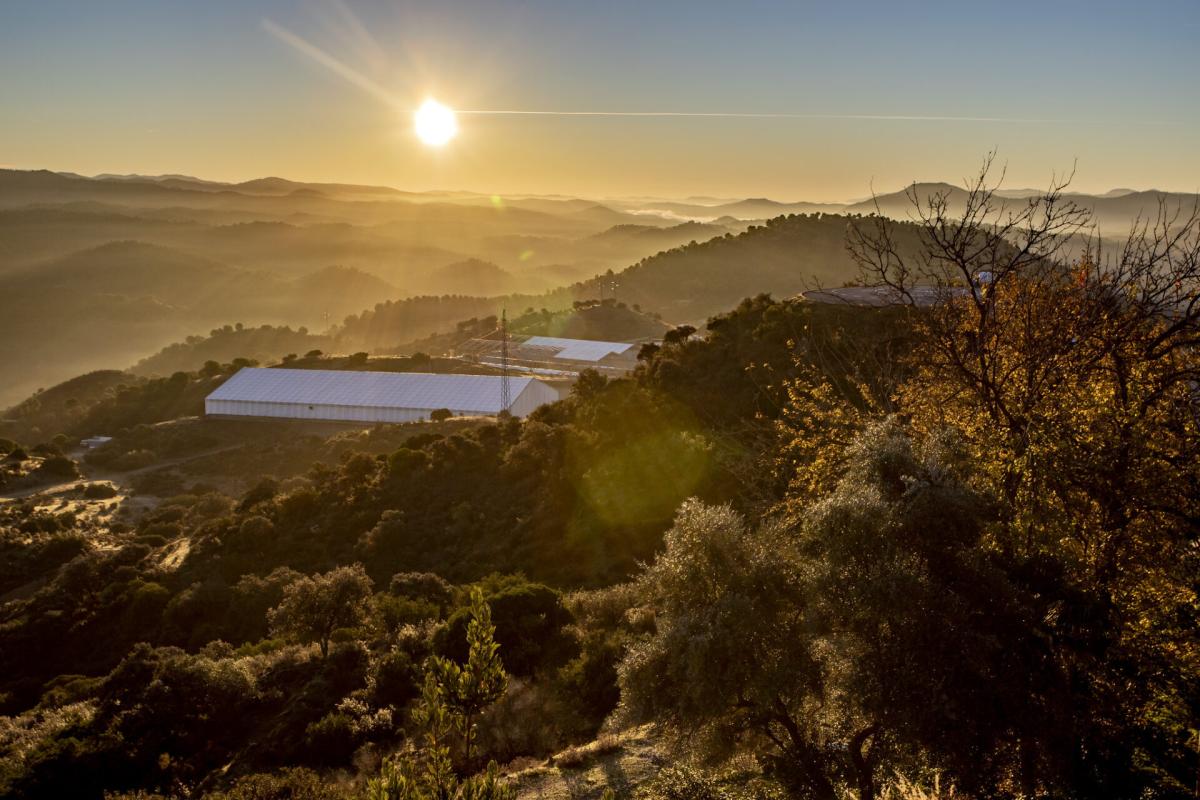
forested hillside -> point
(689, 283)
(100, 273)
(820, 551)
(573, 498)
(263, 344)
(784, 256)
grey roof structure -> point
(578, 349)
(416, 390)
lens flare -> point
(435, 123)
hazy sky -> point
(206, 88)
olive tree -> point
(862, 636)
(315, 606)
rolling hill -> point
(688, 283)
(112, 305)
(103, 272)
(264, 344)
(473, 276)
(783, 257)
(1114, 212)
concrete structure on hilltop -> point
(348, 396)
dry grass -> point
(580, 755)
(902, 788)
(621, 761)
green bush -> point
(58, 466)
(422, 586)
(397, 680)
(531, 627)
(683, 783)
(288, 784)
(99, 491)
(591, 678)
(332, 739)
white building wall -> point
(535, 394)
(246, 408)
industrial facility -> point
(372, 396)
(551, 355)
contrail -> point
(755, 115)
(363, 82)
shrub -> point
(440, 415)
(505, 732)
(530, 624)
(99, 491)
(422, 586)
(59, 467)
(683, 783)
(255, 532)
(67, 689)
(288, 784)
(261, 492)
(397, 680)
(160, 483)
(591, 678)
(332, 739)
(134, 459)
(393, 613)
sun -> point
(435, 123)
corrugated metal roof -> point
(479, 393)
(578, 349)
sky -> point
(884, 92)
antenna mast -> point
(505, 390)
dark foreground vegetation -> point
(872, 550)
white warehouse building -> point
(369, 396)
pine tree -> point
(452, 698)
(467, 690)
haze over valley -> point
(111, 269)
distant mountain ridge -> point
(1113, 212)
(1109, 206)
(102, 271)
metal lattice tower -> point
(505, 390)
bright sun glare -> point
(435, 123)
